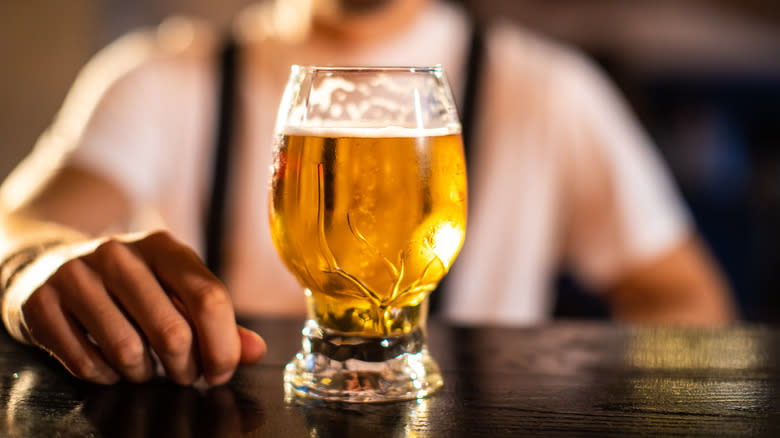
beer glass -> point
(368, 211)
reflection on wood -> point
(562, 379)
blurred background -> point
(703, 76)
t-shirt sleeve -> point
(113, 120)
(623, 210)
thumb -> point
(253, 346)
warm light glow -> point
(417, 418)
(21, 389)
(673, 349)
(717, 360)
(445, 243)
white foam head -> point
(366, 132)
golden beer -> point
(367, 208)
(368, 221)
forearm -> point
(70, 206)
(24, 238)
(683, 287)
(19, 231)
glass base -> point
(357, 369)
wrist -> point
(24, 270)
(19, 259)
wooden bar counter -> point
(564, 378)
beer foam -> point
(366, 132)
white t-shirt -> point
(561, 173)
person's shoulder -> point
(184, 38)
(145, 66)
(175, 40)
(519, 50)
(176, 44)
(536, 64)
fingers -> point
(253, 347)
(58, 334)
(136, 288)
(206, 302)
(84, 296)
(101, 314)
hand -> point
(103, 313)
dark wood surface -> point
(560, 379)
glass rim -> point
(368, 69)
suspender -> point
(228, 110)
(468, 109)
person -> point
(560, 174)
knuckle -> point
(111, 250)
(175, 338)
(221, 363)
(73, 278)
(210, 297)
(220, 360)
(127, 351)
(72, 269)
(159, 236)
(111, 255)
(111, 247)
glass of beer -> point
(368, 211)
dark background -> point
(703, 76)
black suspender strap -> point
(226, 117)
(468, 113)
(468, 109)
